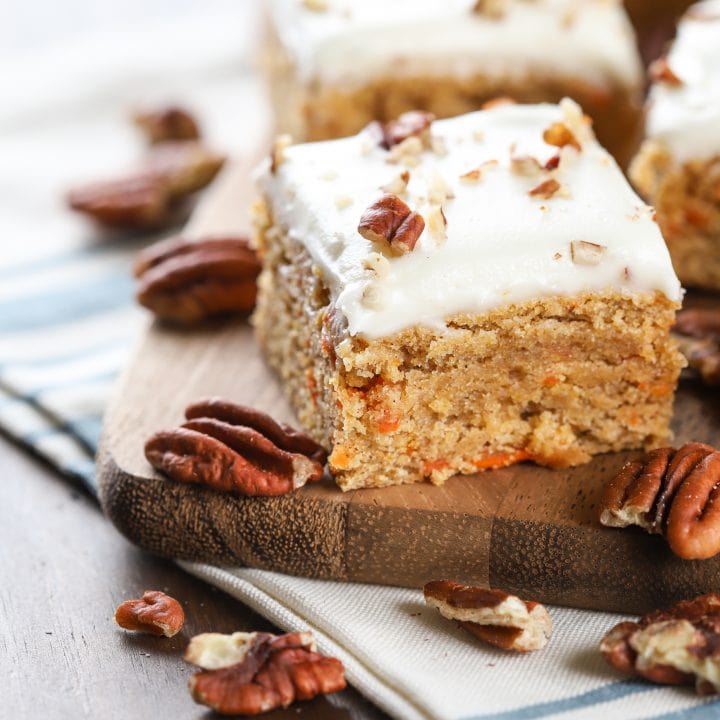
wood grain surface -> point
(64, 569)
(526, 529)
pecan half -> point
(167, 123)
(680, 646)
(151, 197)
(390, 221)
(252, 673)
(155, 613)
(660, 71)
(140, 201)
(671, 492)
(494, 616)
(183, 166)
(560, 135)
(236, 449)
(185, 281)
(698, 334)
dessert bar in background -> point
(678, 167)
(449, 296)
(335, 65)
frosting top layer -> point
(505, 241)
(686, 116)
(349, 41)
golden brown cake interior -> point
(554, 381)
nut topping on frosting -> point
(493, 9)
(660, 71)
(560, 135)
(415, 123)
(583, 252)
(277, 156)
(390, 221)
(545, 189)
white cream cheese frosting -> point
(686, 117)
(349, 41)
(501, 244)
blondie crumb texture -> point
(554, 381)
(687, 201)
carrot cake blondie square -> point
(447, 296)
(335, 65)
(678, 167)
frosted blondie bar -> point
(448, 296)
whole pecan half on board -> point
(253, 673)
(493, 616)
(697, 332)
(680, 646)
(186, 281)
(673, 493)
(234, 448)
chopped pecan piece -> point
(185, 281)
(233, 448)
(545, 189)
(493, 9)
(168, 123)
(252, 673)
(494, 616)
(155, 613)
(678, 647)
(673, 493)
(698, 334)
(660, 71)
(415, 123)
(560, 135)
(390, 221)
(583, 252)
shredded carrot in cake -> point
(491, 461)
(388, 422)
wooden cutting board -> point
(525, 529)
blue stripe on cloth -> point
(31, 393)
(101, 294)
(102, 346)
(85, 472)
(709, 709)
(604, 694)
(86, 429)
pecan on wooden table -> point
(253, 673)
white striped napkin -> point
(67, 322)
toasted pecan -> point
(680, 646)
(185, 281)
(252, 673)
(236, 454)
(673, 493)
(494, 616)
